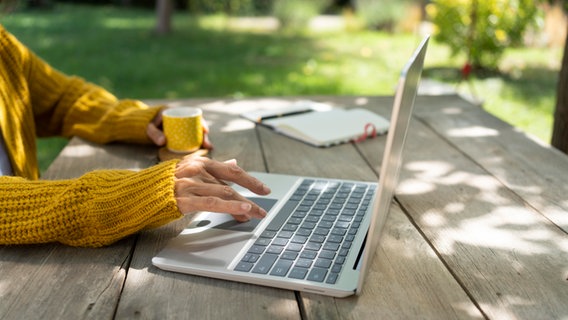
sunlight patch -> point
(79, 151)
(473, 132)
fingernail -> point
(266, 189)
(246, 206)
(161, 140)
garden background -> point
(246, 48)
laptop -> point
(319, 235)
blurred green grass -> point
(206, 57)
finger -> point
(155, 134)
(186, 188)
(158, 118)
(204, 125)
(230, 171)
(206, 141)
(242, 210)
(194, 167)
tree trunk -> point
(164, 9)
(560, 129)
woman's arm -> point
(104, 206)
(94, 210)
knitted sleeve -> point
(94, 210)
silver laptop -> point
(319, 235)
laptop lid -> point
(392, 158)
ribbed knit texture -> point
(97, 208)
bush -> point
(481, 29)
(296, 14)
(231, 7)
(381, 14)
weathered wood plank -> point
(407, 281)
(540, 172)
(58, 282)
(510, 258)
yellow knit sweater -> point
(98, 208)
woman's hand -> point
(200, 186)
(155, 133)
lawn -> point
(206, 57)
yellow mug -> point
(183, 129)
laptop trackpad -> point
(249, 226)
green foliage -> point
(206, 57)
(482, 29)
(381, 14)
(231, 7)
(296, 14)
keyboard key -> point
(294, 220)
(327, 254)
(332, 278)
(250, 257)
(335, 239)
(317, 274)
(262, 241)
(256, 249)
(289, 255)
(308, 225)
(244, 266)
(316, 238)
(265, 263)
(308, 254)
(325, 225)
(285, 234)
(312, 218)
(299, 239)
(339, 231)
(298, 273)
(323, 263)
(336, 267)
(294, 247)
(268, 234)
(280, 242)
(331, 246)
(313, 246)
(304, 263)
(290, 227)
(281, 268)
(275, 249)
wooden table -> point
(478, 229)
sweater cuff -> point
(129, 203)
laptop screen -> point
(392, 159)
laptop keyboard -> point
(313, 232)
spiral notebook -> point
(320, 124)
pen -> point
(285, 114)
